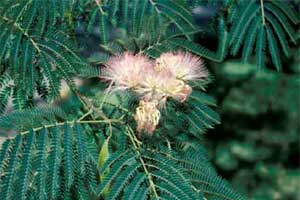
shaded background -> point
(256, 146)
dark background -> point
(256, 146)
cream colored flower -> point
(147, 116)
(183, 65)
(153, 84)
(178, 90)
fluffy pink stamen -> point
(183, 65)
(126, 71)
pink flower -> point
(183, 65)
(154, 82)
(126, 71)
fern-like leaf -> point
(7, 183)
(26, 165)
(239, 30)
(30, 47)
(253, 18)
(4, 152)
(134, 187)
(122, 180)
(250, 40)
(68, 157)
(260, 47)
(280, 35)
(54, 162)
(273, 48)
(283, 20)
(41, 164)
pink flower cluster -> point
(154, 80)
(126, 71)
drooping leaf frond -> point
(47, 154)
(254, 17)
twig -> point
(137, 147)
(85, 115)
(79, 122)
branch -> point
(72, 122)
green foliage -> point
(34, 56)
(266, 22)
(47, 163)
(52, 161)
(86, 147)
